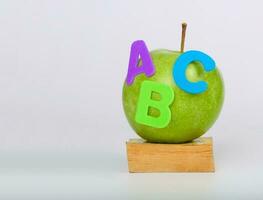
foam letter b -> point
(145, 101)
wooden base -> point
(196, 156)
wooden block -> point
(196, 156)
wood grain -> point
(196, 156)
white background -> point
(62, 128)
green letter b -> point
(145, 101)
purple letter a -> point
(139, 50)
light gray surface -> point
(63, 131)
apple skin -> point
(192, 114)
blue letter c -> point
(180, 67)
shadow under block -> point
(195, 156)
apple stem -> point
(184, 25)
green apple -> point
(191, 114)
